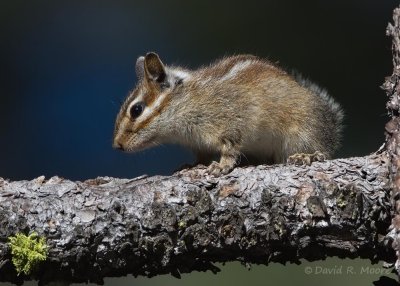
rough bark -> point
(154, 225)
(392, 129)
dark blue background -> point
(66, 66)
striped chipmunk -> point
(240, 109)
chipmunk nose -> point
(117, 145)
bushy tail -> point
(330, 113)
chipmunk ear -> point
(154, 68)
(139, 68)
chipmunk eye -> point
(136, 110)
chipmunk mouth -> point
(117, 145)
(138, 146)
(122, 147)
(131, 146)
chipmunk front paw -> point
(306, 159)
(217, 169)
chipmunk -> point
(238, 107)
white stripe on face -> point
(172, 76)
(138, 98)
(148, 110)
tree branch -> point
(177, 224)
(392, 129)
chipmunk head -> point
(143, 118)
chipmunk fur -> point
(239, 106)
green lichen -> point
(278, 227)
(182, 224)
(345, 197)
(341, 201)
(27, 251)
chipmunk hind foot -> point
(306, 159)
